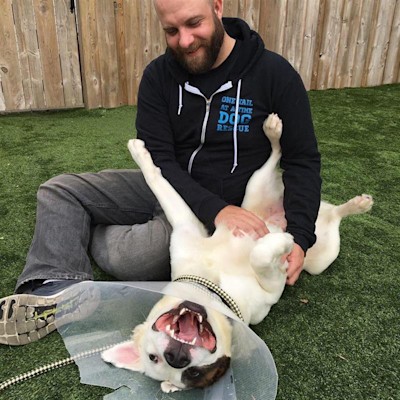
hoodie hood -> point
(252, 49)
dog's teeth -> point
(200, 318)
(175, 320)
(201, 328)
(193, 342)
(170, 331)
(183, 311)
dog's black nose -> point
(177, 357)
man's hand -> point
(241, 221)
(296, 261)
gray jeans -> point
(111, 214)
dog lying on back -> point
(186, 345)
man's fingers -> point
(293, 278)
(296, 262)
(241, 221)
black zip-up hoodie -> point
(208, 144)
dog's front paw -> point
(138, 151)
(273, 128)
(143, 158)
(270, 249)
(168, 387)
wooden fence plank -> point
(362, 43)
(107, 53)
(22, 23)
(10, 72)
(89, 52)
(231, 8)
(146, 17)
(330, 44)
(348, 42)
(318, 43)
(294, 32)
(380, 42)
(69, 54)
(31, 64)
(48, 45)
(249, 11)
(392, 64)
(272, 23)
(134, 53)
(120, 29)
(310, 42)
(158, 44)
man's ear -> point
(124, 355)
(218, 8)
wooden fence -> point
(64, 53)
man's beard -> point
(202, 63)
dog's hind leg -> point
(327, 247)
(175, 208)
(357, 205)
(264, 190)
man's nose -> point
(186, 38)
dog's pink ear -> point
(124, 355)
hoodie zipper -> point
(203, 134)
(196, 91)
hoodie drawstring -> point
(235, 144)
(180, 100)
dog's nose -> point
(177, 357)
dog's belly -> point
(208, 257)
(274, 218)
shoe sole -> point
(26, 318)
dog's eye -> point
(192, 372)
(153, 358)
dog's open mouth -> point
(188, 324)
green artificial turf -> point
(333, 336)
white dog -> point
(185, 345)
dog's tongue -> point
(189, 329)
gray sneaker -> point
(26, 318)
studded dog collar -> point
(215, 289)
